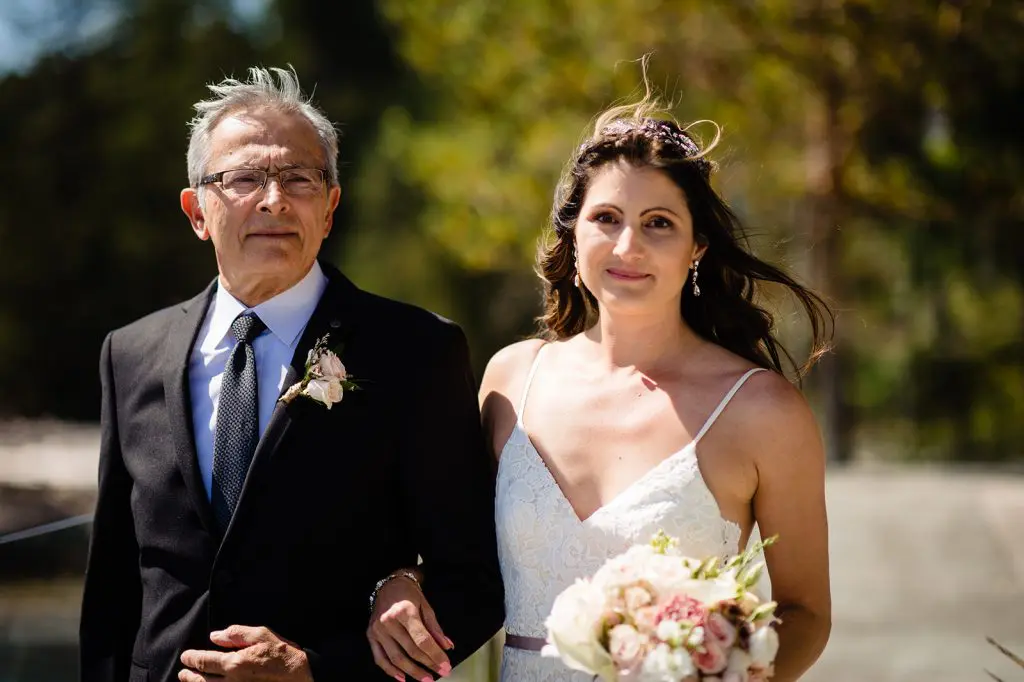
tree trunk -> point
(825, 182)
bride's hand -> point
(404, 631)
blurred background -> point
(874, 148)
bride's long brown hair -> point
(730, 276)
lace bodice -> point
(543, 546)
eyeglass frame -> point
(219, 176)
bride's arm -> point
(404, 630)
(786, 447)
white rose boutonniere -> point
(326, 379)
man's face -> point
(267, 239)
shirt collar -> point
(285, 315)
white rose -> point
(334, 390)
(636, 598)
(709, 592)
(574, 630)
(666, 664)
(331, 366)
(667, 574)
(739, 664)
(326, 391)
(670, 631)
(626, 646)
(764, 645)
(695, 638)
(624, 570)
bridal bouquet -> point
(654, 615)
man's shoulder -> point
(152, 328)
(392, 315)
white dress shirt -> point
(285, 316)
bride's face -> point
(635, 240)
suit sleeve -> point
(111, 601)
(449, 486)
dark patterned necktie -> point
(237, 419)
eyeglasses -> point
(296, 182)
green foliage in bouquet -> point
(743, 566)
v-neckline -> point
(689, 447)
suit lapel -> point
(333, 315)
(180, 340)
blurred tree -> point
(845, 137)
(873, 147)
(92, 233)
(90, 223)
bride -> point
(655, 401)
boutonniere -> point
(325, 381)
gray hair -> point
(231, 95)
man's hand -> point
(259, 654)
(404, 631)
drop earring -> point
(576, 277)
(696, 289)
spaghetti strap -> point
(526, 386)
(725, 401)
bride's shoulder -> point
(770, 397)
(500, 389)
(774, 419)
(509, 365)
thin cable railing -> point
(52, 527)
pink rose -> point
(682, 608)
(720, 629)
(710, 659)
(626, 646)
(331, 367)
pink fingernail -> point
(445, 669)
(400, 678)
(451, 644)
(428, 678)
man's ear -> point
(192, 208)
(333, 198)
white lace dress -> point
(543, 545)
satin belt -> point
(524, 643)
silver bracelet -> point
(401, 573)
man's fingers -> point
(186, 675)
(434, 628)
(380, 657)
(398, 658)
(238, 636)
(208, 662)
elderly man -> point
(275, 445)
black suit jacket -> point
(334, 499)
